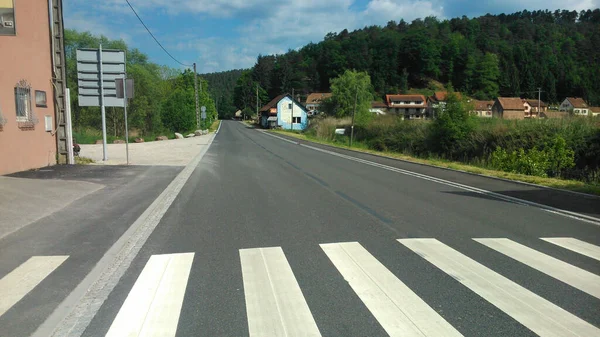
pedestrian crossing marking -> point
(274, 302)
(153, 305)
(398, 309)
(577, 246)
(562, 271)
(537, 314)
(16, 284)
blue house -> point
(284, 112)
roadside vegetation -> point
(164, 100)
(562, 153)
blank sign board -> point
(89, 77)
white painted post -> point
(70, 156)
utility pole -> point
(353, 114)
(539, 102)
(292, 124)
(196, 93)
(257, 116)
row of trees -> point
(164, 97)
(484, 57)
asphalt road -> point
(271, 238)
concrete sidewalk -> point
(174, 152)
(23, 201)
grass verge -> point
(83, 161)
(214, 126)
(570, 185)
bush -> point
(542, 163)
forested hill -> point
(221, 87)
(507, 55)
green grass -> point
(214, 126)
(342, 142)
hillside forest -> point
(484, 57)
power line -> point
(163, 48)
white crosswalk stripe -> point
(577, 246)
(274, 302)
(531, 310)
(18, 283)
(153, 305)
(562, 271)
(398, 309)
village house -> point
(379, 108)
(482, 108)
(508, 108)
(407, 106)
(575, 105)
(314, 101)
(534, 107)
(284, 112)
(595, 111)
(30, 132)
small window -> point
(40, 99)
(296, 120)
(290, 106)
(25, 116)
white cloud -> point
(385, 10)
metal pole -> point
(292, 121)
(125, 111)
(196, 93)
(69, 128)
(353, 114)
(104, 156)
(539, 101)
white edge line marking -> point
(153, 305)
(399, 310)
(75, 313)
(577, 246)
(575, 277)
(275, 305)
(531, 310)
(565, 213)
(23, 279)
(219, 128)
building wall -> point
(27, 56)
(284, 115)
(513, 114)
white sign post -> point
(97, 70)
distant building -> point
(379, 108)
(576, 105)
(482, 108)
(314, 101)
(438, 101)
(595, 111)
(284, 112)
(508, 108)
(407, 106)
(28, 72)
(532, 106)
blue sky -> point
(227, 34)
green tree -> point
(350, 87)
(453, 125)
(486, 81)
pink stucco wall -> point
(27, 56)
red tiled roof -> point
(482, 105)
(534, 103)
(404, 98)
(272, 104)
(511, 103)
(577, 102)
(317, 97)
(595, 109)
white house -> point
(575, 104)
(284, 112)
(314, 100)
(407, 106)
